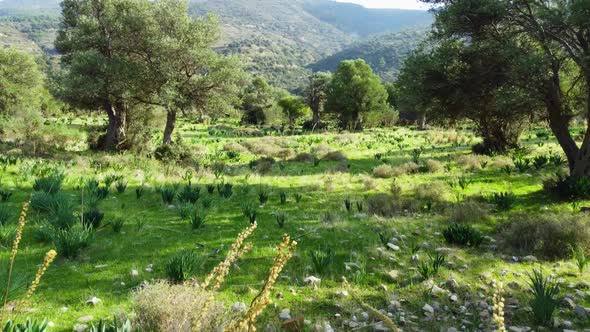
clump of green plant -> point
(117, 224)
(93, 218)
(62, 217)
(359, 206)
(322, 259)
(580, 258)
(70, 242)
(544, 302)
(4, 215)
(197, 218)
(112, 326)
(168, 194)
(7, 235)
(348, 205)
(249, 211)
(50, 183)
(463, 235)
(503, 200)
(139, 191)
(540, 161)
(430, 269)
(121, 186)
(298, 197)
(5, 195)
(210, 188)
(183, 265)
(189, 194)
(225, 190)
(280, 218)
(283, 197)
(28, 326)
(206, 202)
(263, 195)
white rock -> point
(63, 309)
(313, 281)
(93, 301)
(50, 324)
(453, 298)
(393, 247)
(239, 307)
(285, 314)
(428, 308)
(149, 268)
(85, 319)
(134, 273)
(80, 327)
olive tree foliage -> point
(294, 108)
(127, 57)
(316, 94)
(552, 39)
(23, 97)
(354, 92)
(257, 99)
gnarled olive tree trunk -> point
(116, 128)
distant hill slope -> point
(277, 39)
(384, 53)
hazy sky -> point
(403, 4)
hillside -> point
(384, 53)
(278, 39)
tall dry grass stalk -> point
(248, 321)
(220, 272)
(376, 313)
(49, 257)
(19, 233)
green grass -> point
(104, 268)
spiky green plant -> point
(544, 302)
(322, 259)
(580, 258)
(183, 265)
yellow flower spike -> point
(49, 257)
(19, 233)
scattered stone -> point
(453, 298)
(149, 268)
(80, 327)
(63, 309)
(428, 309)
(239, 307)
(393, 274)
(93, 301)
(85, 319)
(393, 247)
(134, 273)
(342, 293)
(582, 312)
(313, 281)
(452, 329)
(382, 288)
(569, 303)
(364, 316)
(530, 258)
(101, 266)
(285, 314)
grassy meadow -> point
(370, 207)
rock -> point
(393, 247)
(515, 259)
(453, 298)
(149, 268)
(379, 327)
(566, 324)
(427, 308)
(134, 273)
(63, 309)
(452, 329)
(530, 258)
(171, 207)
(312, 281)
(93, 301)
(85, 319)
(569, 303)
(443, 250)
(100, 266)
(515, 329)
(393, 274)
(239, 307)
(452, 285)
(382, 288)
(582, 312)
(285, 314)
(364, 316)
(415, 258)
(80, 327)
(342, 293)
(437, 291)
(323, 327)
(50, 324)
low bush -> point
(472, 162)
(385, 205)
(568, 188)
(404, 169)
(63, 217)
(46, 203)
(432, 192)
(433, 166)
(469, 212)
(304, 157)
(384, 171)
(189, 194)
(463, 235)
(504, 200)
(334, 156)
(172, 152)
(547, 236)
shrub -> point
(167, 307)
(471, 162)
(172, 152)
(334, 156)
(547, 236)
(404, 169)
(384, 171)
(384, 205)
(433, 166)
(235, 147)
(139, 191)
(463, 235)
(70, 242)
(63, 217)
(183, 265)
(568, 187)
(5, 195)
(469, 212)
(262, 165)
(114, 326)
(432, 192)
(50, 184)
(503, 201)
(304, 157)
(46, 203)
(544, 302)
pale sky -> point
(401, 4)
